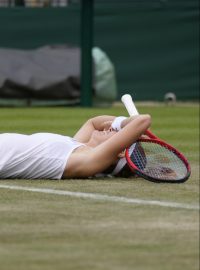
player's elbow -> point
(148, 119)
(145, 121)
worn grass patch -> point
(45, 231)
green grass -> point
(43, 231)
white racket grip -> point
(129, 104)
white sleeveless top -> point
(40, 155)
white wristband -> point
(116, 124)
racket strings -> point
(157, 161)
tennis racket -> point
(153, 159)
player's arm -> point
(96, 123)
(102, 156)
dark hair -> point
(125, 172)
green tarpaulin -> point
(154, 45)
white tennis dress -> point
(40, 155)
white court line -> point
(103, 197)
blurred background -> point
(147, 48)
(75, 54)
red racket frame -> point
(155, 139)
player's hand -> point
(107, 125)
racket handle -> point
(129, 104)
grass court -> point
(51, 231)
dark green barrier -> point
(153, 44)
(28, 28)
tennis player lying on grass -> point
(97, 146)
